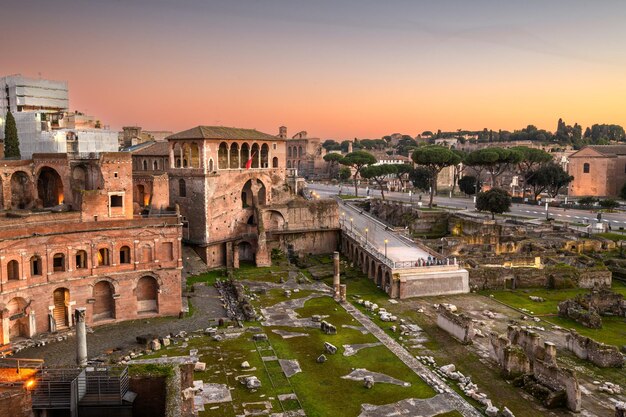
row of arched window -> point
(294, 152)
(186, 155)
(103, 258)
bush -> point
(609, 203)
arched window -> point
(145, 165)
(58, 262)
(155, 165)
(222, 156)
(35, 266)
(245, 154)
(288, 164)
(177, 162)
(586, 168)
(103, 257)
(274, 162)
(124, 255)
(234, 156)
(13, 270)
(289, 152)
(265, 154)
(194, 153)
(210, 165)
(81, 259)
(182, 188)
(299, 151)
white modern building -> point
(44, 123)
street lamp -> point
(351, 222)
(386, 241)
(366, 230)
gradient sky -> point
(337, 69)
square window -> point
(117, 201)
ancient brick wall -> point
(458, 325)
(15, 403)
(119, 256)
(604, 356)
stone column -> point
(236, 256)
(343, 292)
(81, 336)
(336, 275)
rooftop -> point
(151, 149)
(609, 150)
(222, 132)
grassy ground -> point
(613, 330)
(612, 236)
(320, 388)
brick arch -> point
(146, 291)
(50, 187)
(379, 276)
(103, 292)
(114, 283)
(372, 271)
(388, 280)
(366, 264)
(22, 190)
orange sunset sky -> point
(337, 69)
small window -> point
(167, 251)
(81, 259)
(117, 201)
(103, 257)
(586, 168)
(124, 255)
(155, 165)
(274, 146)
(58, 262)
(177, 162)
(182, 188)
(115, 175)
(13, 270)
(145, 165)
(35, 266)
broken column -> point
(81, 336)
(342, 292)
(336, 275)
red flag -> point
(249, 163)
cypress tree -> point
(11, 141)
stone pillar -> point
(343, 290)
(81, 336)
(550, 353)
(236, 256)
(32, 324)
(5, 329)
(336, 275)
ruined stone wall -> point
(458, 325)
(604, 356)
(402, 215)
(493, 278)
(523, 351)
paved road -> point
(616, 220)
(398, 248)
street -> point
(615, 220)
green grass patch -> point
(616, 237)
(613, 330)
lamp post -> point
(351, 223)
(343, 218)
(366, 230)
(386, 241)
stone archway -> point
(147, 295)
(246, 251)
(104, 304)
(18, 318)
(379, 277)
(372, 272)
(49, 187)
(276, 220)
(248, 191)
(387, 286)
(22, 191)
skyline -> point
(353, 69)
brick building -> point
(598, 170)
(234, 213)
(150, 179)
(305, 154)
(68, 239)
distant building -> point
(598, 170)
(150, 179)
(135, 135)
(44, 123)
(305, 154)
